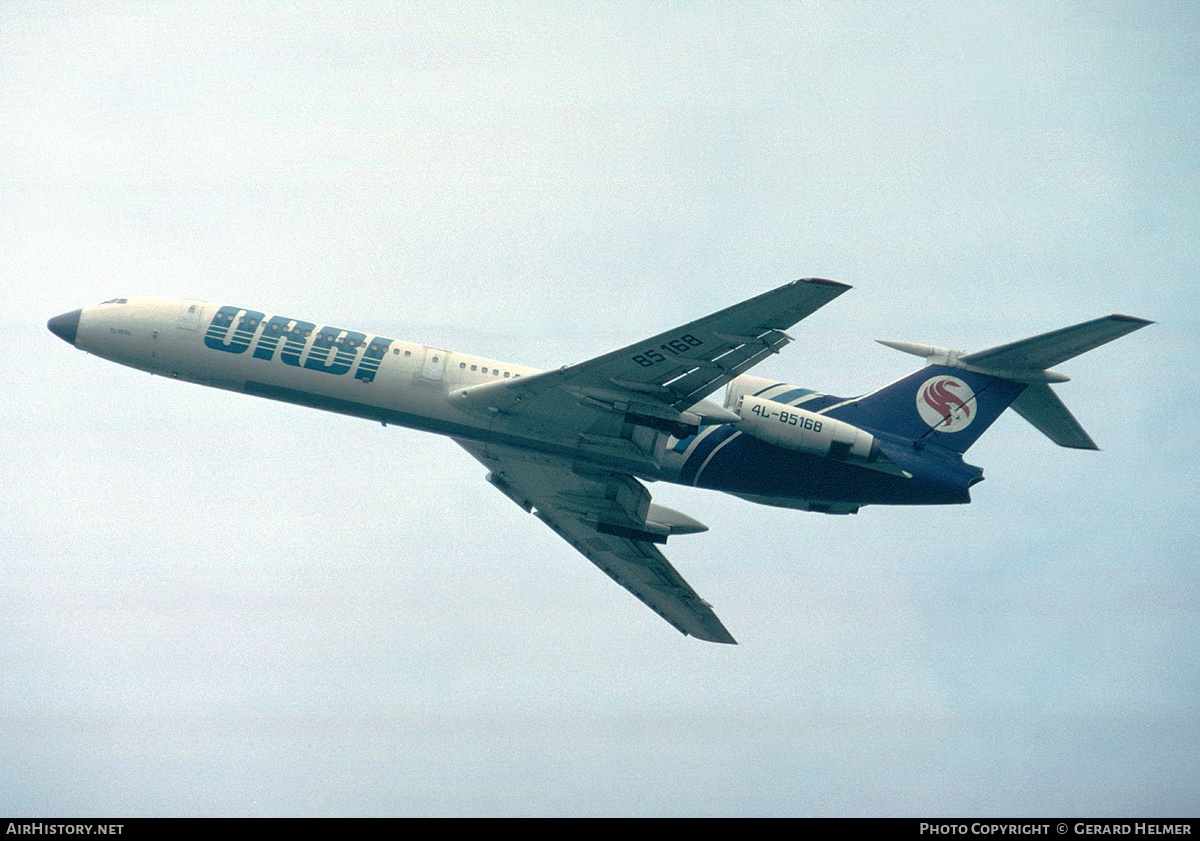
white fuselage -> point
(364, 375)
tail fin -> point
(957, 396)
(940, 404)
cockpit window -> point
(116, 301)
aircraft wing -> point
(664, 376)
(604, 515)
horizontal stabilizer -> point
(1039, 405)
(1050, 349)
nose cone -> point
(65, 326)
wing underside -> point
(604, 516)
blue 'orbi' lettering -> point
(372, 358)
(333, 349)
(232, 329)
(272, 332)
(333, 353)
(294, 340)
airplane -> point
(574, 445)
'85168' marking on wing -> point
(679, 346)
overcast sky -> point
(216, 605)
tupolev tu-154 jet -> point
(573, 445)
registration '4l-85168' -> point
(786, 417)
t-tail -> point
(957, 396)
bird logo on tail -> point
(945, 403)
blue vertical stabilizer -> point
(940, 404)
(957, 396)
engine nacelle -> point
(799, 429)
(746, 384)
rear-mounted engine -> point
(799, 429)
